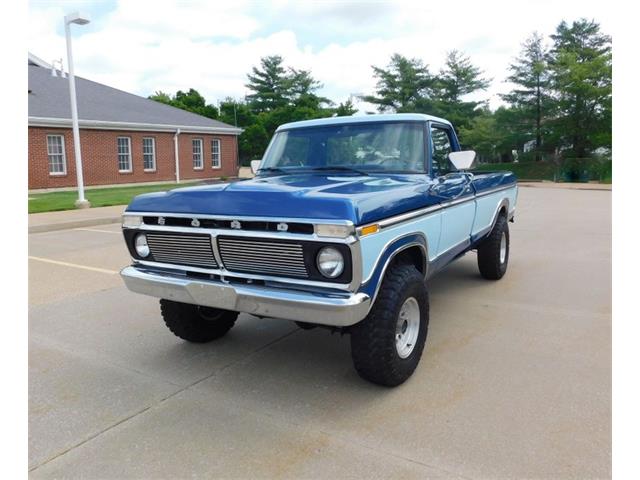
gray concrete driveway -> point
(515, 380)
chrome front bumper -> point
(336, 309)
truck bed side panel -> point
(487, 203)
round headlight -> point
(142, 248)
(330, 262)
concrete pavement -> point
(68, 219)
(515, 380)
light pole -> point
(79, 19)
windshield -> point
(365, 148)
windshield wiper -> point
(271, 170)
(340, 169)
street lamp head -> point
(77, 18)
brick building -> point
(124, 138)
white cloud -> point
(143, 47)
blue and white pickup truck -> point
(345, 221)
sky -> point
(147, 46)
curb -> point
(90, 222)
(562, 187)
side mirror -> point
(255, 165)
(463, 160)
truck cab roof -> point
(393, 117)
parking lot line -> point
(74, 265)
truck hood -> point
(361, 199)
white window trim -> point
(64, 157)
(219, 166)
(130, 157)
(153, 153)
(201, 142)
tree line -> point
(559, 109)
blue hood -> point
(361, 199)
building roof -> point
(103, 107)
(389, 117)
(33, 60)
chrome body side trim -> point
(339, 310)
(391, 221)
(497, 189)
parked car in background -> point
(344, 223)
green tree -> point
(162, 97)
(280, 95)
(302, 88)
(191, 101)
(269, 83)
(513, 125)
(252, 142)
(580, 63)
(531, 97)
(346, 108)
(403, 85)
(457, 79)
(482, 136)
(236, 112)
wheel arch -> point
(502, 207)
(412, 248)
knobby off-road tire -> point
(194, 323)
(493, 252)
(377, 352)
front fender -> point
(372, 286)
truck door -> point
(454, 191)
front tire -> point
(387, 345)
(194, 323)
(493, 252)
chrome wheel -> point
(407, 327)
(503, 248)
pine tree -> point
(456, 80)
(346, 108)
(580, 63)
(531, 96)
(270, 84)
(401, 86)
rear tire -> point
(493, 251)
(387, 345)
(194, 323)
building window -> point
(215, 153)
(57, 158)
(196, 144)
(124, 154)
(149, 153)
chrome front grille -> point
(182, 249)
(260, 256)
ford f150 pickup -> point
(345, 221)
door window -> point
(440, 150)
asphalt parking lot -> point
(515, 380)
